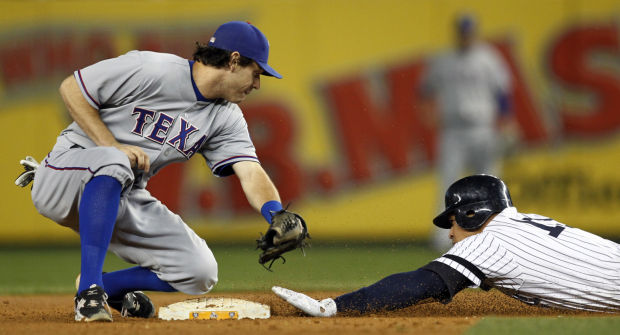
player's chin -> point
(239, 98)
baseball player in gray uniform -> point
(133, 115)
(529, 257)
(471, 85)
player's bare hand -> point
(137, 157)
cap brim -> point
(268, 70)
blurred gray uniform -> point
(467, 84)
(149, 100)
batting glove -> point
(30, 166)
(323, 308)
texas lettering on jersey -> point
(162, 124)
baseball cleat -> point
(323, 308)
(91, 305)
(136, 304)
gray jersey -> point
(541, 261)
(149, 100)
(466, 84)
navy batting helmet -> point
(472, 200)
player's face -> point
(465, 40)
(241, 81)
(457, 234)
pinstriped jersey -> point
(541, 262)
(150, 100)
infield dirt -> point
(53, 314)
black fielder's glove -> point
(287, 231)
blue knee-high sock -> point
(98, 210)
(118, 283)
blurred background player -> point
(471, 86)
(133, 115)
(529, 257)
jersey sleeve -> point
(429, 79)
(479, 258)
(110, 81)
(230, 145)
(455, 281)
(498, 72)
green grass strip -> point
(563, 325)
(341, 267)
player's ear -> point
(234, 60)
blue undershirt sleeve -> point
(404, 289)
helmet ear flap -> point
(473, 216)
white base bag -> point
(214, 309)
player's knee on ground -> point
(205, 277)
(199, 276)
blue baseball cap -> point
(247, 40)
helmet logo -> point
(458, 199)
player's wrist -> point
(270, 207)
